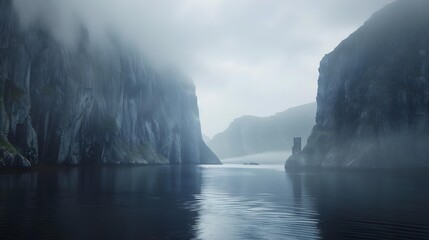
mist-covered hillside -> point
(249, 135)
(373, 95)
(89, 103)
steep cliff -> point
(251, 135)
(373, 95)
(90, 105)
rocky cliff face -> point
(251, 135)
(90, 105)
(373, 96)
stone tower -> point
(296, 149)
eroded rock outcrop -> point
(373, 96)
(91, 105)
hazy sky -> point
(246, 57)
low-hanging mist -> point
(67, 102)
(269, 48)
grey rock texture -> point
(91, 105)
(373, 96)
(250, 135)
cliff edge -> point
(89, 104)
(373, 96)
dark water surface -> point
(213, 202)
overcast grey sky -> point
(246, 57)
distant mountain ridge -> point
(250, 135)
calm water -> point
(213, 202)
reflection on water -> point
(212, 202)
(107, 203)
(369, 205)
(253, 203)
